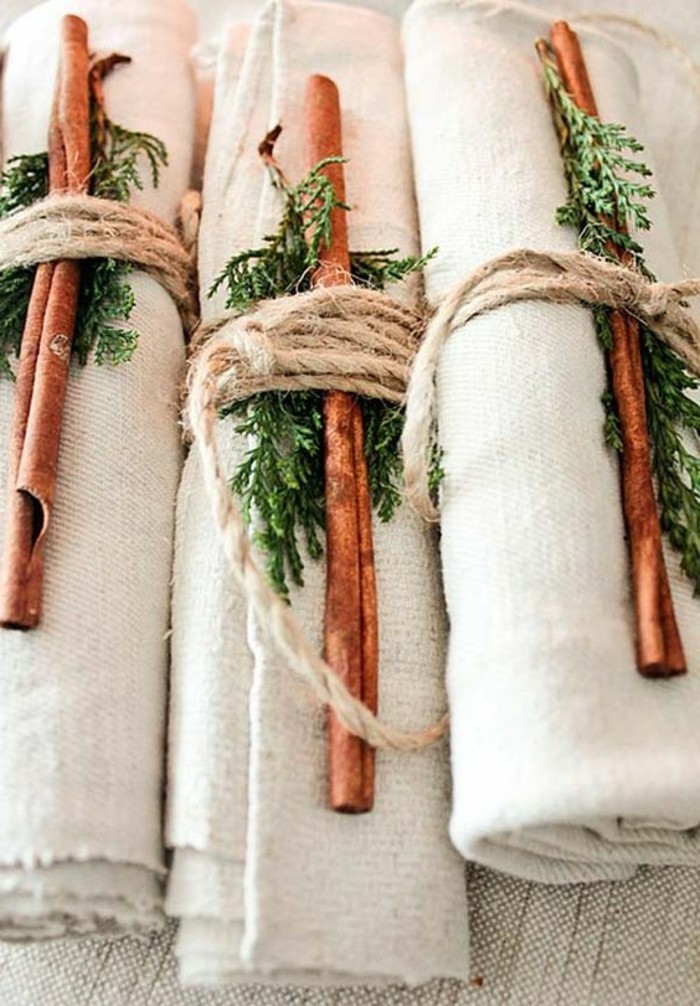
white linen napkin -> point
(567, 765)
(269, 883)
(83, 697)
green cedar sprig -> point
(24, 181)
(106, 298)
(281, 478)
(607, 180)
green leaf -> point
(106, 298)
(281, 479)
(24, 180)
(603, 180)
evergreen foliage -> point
(106, 298)
(608, 195)
(282, 476)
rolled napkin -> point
(269, 884)
(567, 764)
(83, 696)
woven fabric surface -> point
(633, 943)
(84, 695)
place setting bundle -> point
(349, 480)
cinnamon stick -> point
(22, 566)
(659, 646)
(20, 584)
(350, 629)
(369, 619)
(45, 353)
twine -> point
(336, 337)
(82, 227)
(525, 275)
(345, 338)
(361, 341)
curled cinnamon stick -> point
(22, 566)
(369, 619)
(45, 354)
(20, 584)
(659, 646)
(350, 631)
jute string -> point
(343, 337)
(525, 275)
(82, 227)
(361, 341)
(337, 337)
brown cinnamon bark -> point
(20, 584)
(45, 354)
(659, 646)
(368, 596)
(350, 631)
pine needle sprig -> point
(24, 181)
(605, 181)
(286, 260)
(281, 479)
(380, 268)
(106, 299)
(116, 161)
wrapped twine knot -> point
(361, 341)
(525, 275)
(344, 337)
(82, 226)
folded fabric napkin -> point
(567, 765)
(268, 882)
(83, 697)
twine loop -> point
(82, 226)
(344, 337)
(361, 341)
(526, 275)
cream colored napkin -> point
(82, 698)
(567, 765)
(270, 884)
